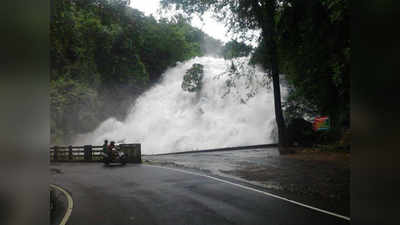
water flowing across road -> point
(231, 109)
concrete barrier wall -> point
(133, 151)
(222, 149)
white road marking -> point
(70, 204)
(255, 190)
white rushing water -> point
(168, 119)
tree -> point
(234, 49)
(314, 55)
(242, 16)
(104, 54)
(314, 48)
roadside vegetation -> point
(306, 41)
(104, 54)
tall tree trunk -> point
(269, 35)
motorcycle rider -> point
(105, 146)
(111, 148)
(114, 154)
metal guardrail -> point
(90, 153)
(87, 153)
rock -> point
(192, 79)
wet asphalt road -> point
(141, 194)
(322, 183)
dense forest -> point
(308, 42)
(314, 54)
(104, 54)
(234, 49)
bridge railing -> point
(91, 153)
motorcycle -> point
(116, 156)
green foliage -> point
(308, 41)
(297, 106)
(104, 54)
(314, 49)
(71, 99)
(240, 16)
(192, 78)
(243, 82)
(234, 49)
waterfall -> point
(229, 110)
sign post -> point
(321, 123)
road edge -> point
(255, 190)
(70, 203)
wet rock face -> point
(192, 79)
(300, 133)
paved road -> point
(321, 180)
(141, 194)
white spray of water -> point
(168, 119)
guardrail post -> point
(55, 153)
(139, 152)
(70, 153)
(87, 152)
